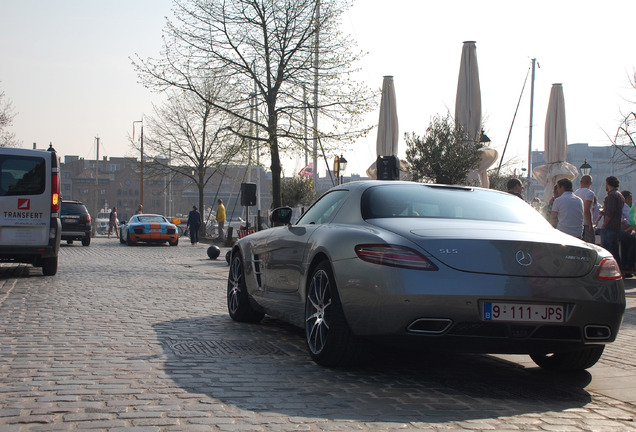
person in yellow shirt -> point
(220, 217)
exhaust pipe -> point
(429, 325)
(597, 332)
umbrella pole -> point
(534, 62)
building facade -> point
(605, 161)
(116, 182)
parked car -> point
(430, 267)
(30, 228)
(148, 228)
(76, 222)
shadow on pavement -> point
(265, 368)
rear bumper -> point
(445, 309)
(33, 254)
(153, 238)
(76, 234)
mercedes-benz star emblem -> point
(523, 258)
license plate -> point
(523, 312)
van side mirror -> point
(280, 216)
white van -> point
(30, 228)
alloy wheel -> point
(316, 320)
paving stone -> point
(138, 339)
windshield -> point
(431, 201)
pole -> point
(534, 61)
(170, 210)
(142, 165)
(316, 58)
(141, 176)
(94, 225)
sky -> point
(66, 67)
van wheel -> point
(49, 266)
(86, 241)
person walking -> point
(194, 223)
(567, 210)
(588, 197)
(612, 218)
(220, 218)
(140, 209)
(112, 222)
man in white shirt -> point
(567, 210)
(588, 197)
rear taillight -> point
(55, 191)
(88, 218)
(608, 270)
(394, 256)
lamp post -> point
(342, 166)
(586, 168)
(141, 176)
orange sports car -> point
(148, 228)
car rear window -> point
(430, 201)
(147, 219)
(73, 208)
(22, 175)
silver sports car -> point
(432, 267)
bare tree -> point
(267, 52)
(7, 114)
(624, 140)
(191, 138)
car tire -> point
(329, 339)
(174, 243)
(86, 241)
(238, 303)
(129, 242)
(49, 266)
(569, 360)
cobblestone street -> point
(139, 339)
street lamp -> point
(586, 168)
(484, 139)
(141, 177)
(342, 166)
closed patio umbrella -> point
(388, 131)
(556, 146)
(468, 110)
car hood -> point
(506, 248)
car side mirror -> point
(281, 216)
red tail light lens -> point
(608, 270)
(55, 192)
(394, 256)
